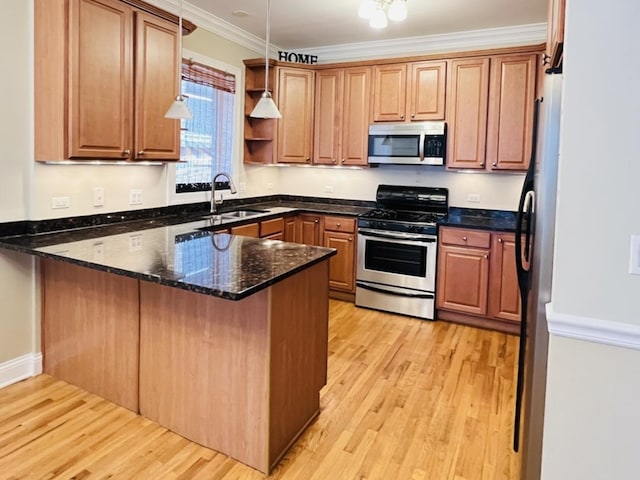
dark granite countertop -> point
(179, 255)
(496, 220)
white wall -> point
(17, 320)
(593, 392)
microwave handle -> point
(421, 146)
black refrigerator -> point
(535, 233)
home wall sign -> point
(297, 57)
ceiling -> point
(299, 24)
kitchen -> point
(577, 448)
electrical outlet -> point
(59, 202)
(135, 242)
(98, 197)
(135, 196)
(328, 188)
(634, 256)
(270, 186)
(473, 198)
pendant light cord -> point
(179, 97)
(266, 49)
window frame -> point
(236, 144)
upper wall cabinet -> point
(490, 112)
(555, 35)
(105, 74)
(409, 92)
(295, 101)
(342, 116)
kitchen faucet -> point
(214, 202)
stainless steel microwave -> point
(415, 143)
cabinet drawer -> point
(269, 227)
(465, 238)
(340, 224)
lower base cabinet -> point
(477, 281)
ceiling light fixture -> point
(266, 107)
(178, 109)
(378, 11)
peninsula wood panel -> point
(157, 61)
(90, 334)
(467, 98)
(298, 355)
(204, 369)
(510, 122)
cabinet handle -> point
(494, 164)
(464, 238)
(482, 164)
(351, 239)
(499, 240)
(334, 160)
(338, 224)
(401, 117)
(308, 159)
(486, 256)
(316, 221)
(546, 59)
(141, 153)
(126, 153)
(413, 115)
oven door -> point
(396, 258)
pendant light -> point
(178, 108)
(266, 107)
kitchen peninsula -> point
(220, 338)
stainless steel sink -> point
(242, 213)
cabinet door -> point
(342, 265)
(295, 102)
(290, 229)
(328, 116)
(310, 229)
(249, 230)
(510, 124)
(467, 94)
(157, 63)
(268, 228)
(463, 279)
(389, 93)
(426, 87)
(355, 119)
(100, 98)
(555, 35)
(504, 295)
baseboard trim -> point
(594, 330)
(20, 368)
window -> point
(207, 139)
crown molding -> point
(427, 44)
(594, 330)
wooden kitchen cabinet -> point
(389, 92)
(107, 99)
(272, 229)
(290, 229)
(510, 120)
(248, 230)
(339, 233)
(259, 133)
(555, 33)
(504, 295)
(467, 100)
(295, 92)
(490, 112)
(409, 92)
(310, 229)
(426, 90)
(477, 281)
(341, 122)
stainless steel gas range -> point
(397, 250)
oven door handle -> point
(375, 233)
(367, 286)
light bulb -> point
(397, 10)
(378, 18)
(366, 8)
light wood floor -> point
(405, 400)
